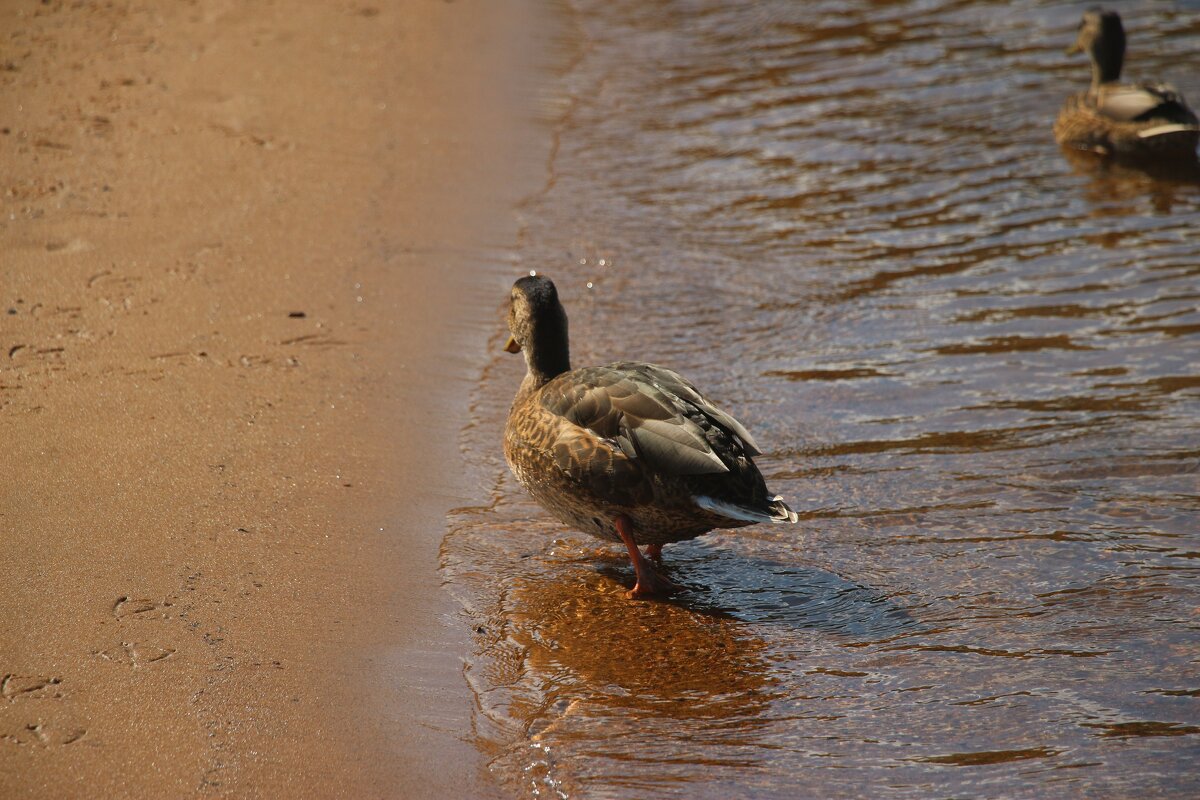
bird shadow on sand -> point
(764, 591)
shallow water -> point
(971, 361)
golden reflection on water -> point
(659, 656)
(650, 670)
(972, 360)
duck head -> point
(1102, 37)
(538, 327)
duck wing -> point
(1145, 103)
(630, 414)
(675, 385)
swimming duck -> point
(628, 452)
(1111, 118)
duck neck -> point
(545, 361)
(1103, 73)
(1108, 55)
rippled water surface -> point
(972, 362)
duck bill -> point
(511, 345)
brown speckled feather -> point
(601, 441)
(625, 440)
(1147, 121)
(1082, 124)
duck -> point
(1138, 121)
(628, 452)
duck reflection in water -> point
(1167, 185)
(590, 672)
(581, 635)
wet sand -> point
(239, 320)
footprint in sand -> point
(30, 687)
(141, 608)
(136, 654)
(39, 734)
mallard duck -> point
(1111, 118)
(628, 452)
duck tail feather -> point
(776, 510)
(781, 511)
(1162, 130)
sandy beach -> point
(241, 309)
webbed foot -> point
(649, 582)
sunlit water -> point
(973, 365)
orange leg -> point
(649, 583)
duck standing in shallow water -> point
(1110, 118)
(628, 452)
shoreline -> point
(247, 286)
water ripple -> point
(972, 359)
